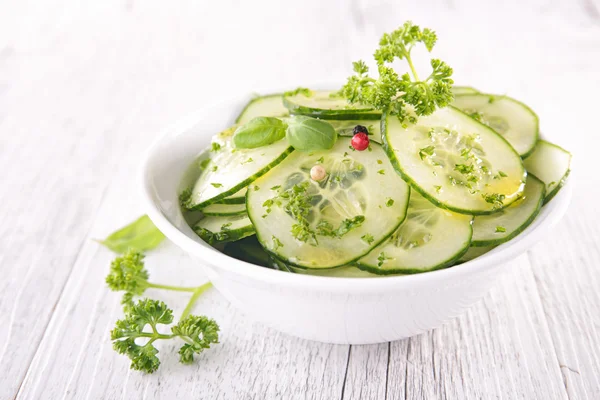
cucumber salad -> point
(392, 173)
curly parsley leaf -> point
(199, 332)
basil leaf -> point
(139, 235)
(260, 131)
(309, 134)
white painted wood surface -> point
(86, 86)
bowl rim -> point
(550, 214)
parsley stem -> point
(197, 292)
(154, 336)
(412, 67)
(169, 287)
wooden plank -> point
(366, 374)
(565, 266)
(501, 348)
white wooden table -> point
(86, 86)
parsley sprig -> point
(128, 274)
(198, 333)
(396, 94)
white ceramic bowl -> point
(325, 309)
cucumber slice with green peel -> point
(516, 122)
(455, 162)
(457, 90)
(238, 197)
(231, 170)
(224, 229)
(430, 238)
(263, 106)
(551, 164)
(474, 252)
(326, 105)
(330, 223)
(347, 271)
(346, 128)
(248, 249)
(500, 227)
(224, 210)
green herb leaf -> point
(500, 229)
(258, 132)
(216, 185)
(199, 332)
(368, 238)
(309, 134)
(140, 234)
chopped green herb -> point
(437, 188)
(381, 172)
(389, 202)
(215, 146)
(321, 160)
(215, 168)
(426, 151)
(256, 188)
(217, 185)
(204, 163)
(379, 162)
(296, 201)
(184, 197)
(500, 229)
(494, 198)
(368, 238)
(382, 258)
(276, 243)
(276, 187)
(226, 227)
(247, 161)
(464, 169)
(324, 228)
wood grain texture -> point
(85, 87)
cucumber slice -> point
(324, 104)
(224, 210)
(455, 162)
(474, 252)
(494, 229)
(457, 90)
(224, 229)
(346, 128)
(248, 249)
(238, 197)
(358, 184)
(348, 271)
(551, 164)
(430, 238)
(516, 122)
(264, 106)
(230, 169)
